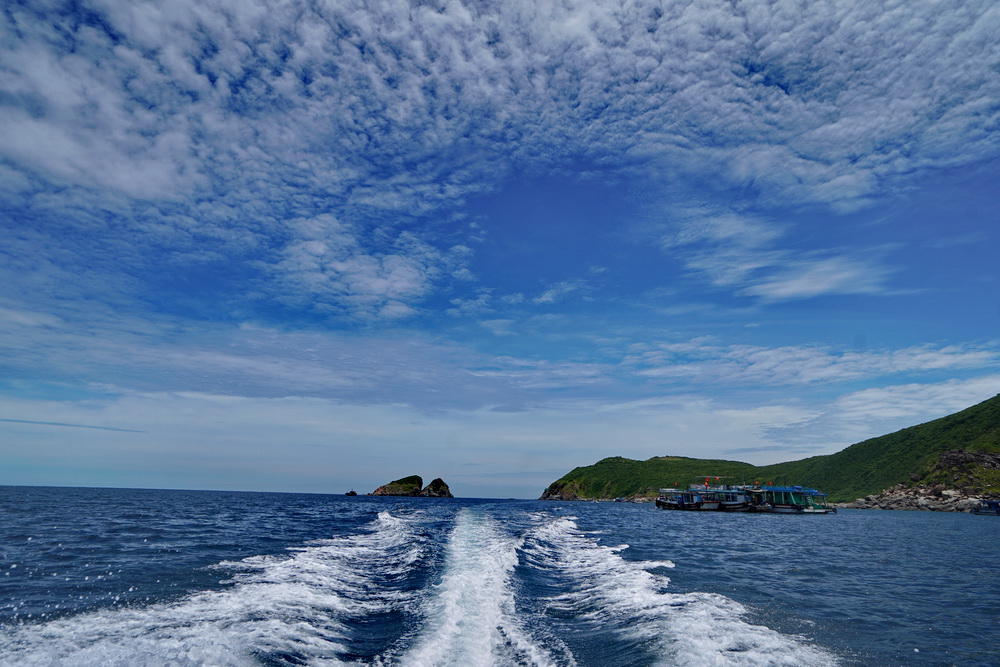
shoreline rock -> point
(557, 491)
(936, 498)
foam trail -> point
(290, 606)
(607, 591)
(471, 612)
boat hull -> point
(686, 507)
(791, 509)
(766, 500)
(734, 507)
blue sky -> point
(310, 247)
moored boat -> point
(688, 499)
(988, 508)
(745, 498)
(734, 500)
(718, 498)
(788, 500)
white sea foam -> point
(608, 591)
(286, 604)
(471, 614)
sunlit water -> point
(141, 577)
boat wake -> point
(603, 590)
(280, 609)
(472, 616)
(425, 590)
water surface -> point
(134, 577)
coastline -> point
(927, 498)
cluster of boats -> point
(745, 498)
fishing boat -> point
(988, 508)
(686, 499)
(705, 497)
(716, 499)
(744, 498)
(733, 499)
(788, 500)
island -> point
(413, 487)
(948, 464)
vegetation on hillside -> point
(910, 456)
(407, 486)
(619, 477)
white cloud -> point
(739, 230)
(301, 443)
(803, 279)
(28, 318)
(479, 304)
(876, 411)
(498, 327)
(705, 362)
(558, 291)
(913, 401)
(743, 252)
(246, 115)
(215, 440)
(542, 374)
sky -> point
(315, 246)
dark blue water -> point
(134, 577)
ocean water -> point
(147, 577)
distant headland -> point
(413, 486)
(948, 464)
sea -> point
(150, 577)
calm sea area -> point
(150, 577)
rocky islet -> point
(413, 487)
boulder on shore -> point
(933, 498)
(957, 482)
(413, 486)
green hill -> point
(617, 476)
(910, 456)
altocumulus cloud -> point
(206, 126)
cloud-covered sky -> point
(314, 246)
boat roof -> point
(794, 489)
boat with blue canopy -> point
(745, 498)
(789, 500)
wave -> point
(605, 591)
(279, 609)
(499, 598)
(471, 615)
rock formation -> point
(935, 498)
(559, 491)
(436, 489)
(957, 482)
(412, 486)
(407, 486)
